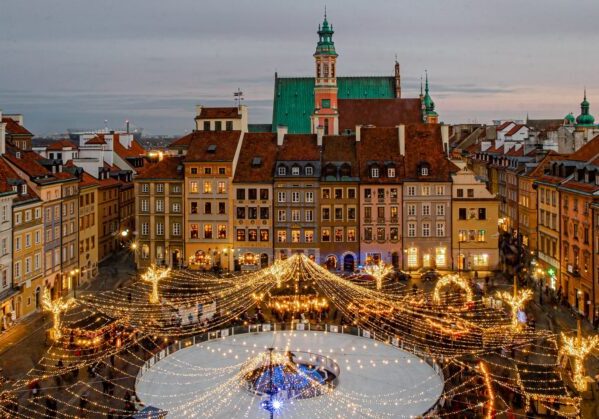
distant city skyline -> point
(76, 64)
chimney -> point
(2, 136)
(445, 138)
(281, 132)
(127, 126)
(198, 110)
(319, 135)
(401, 135)
(358, 132)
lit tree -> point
(579, 348)
(516, 302)
(56, 307)
(379, 271)
(154, 275)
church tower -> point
(430, 115)
(325, 88)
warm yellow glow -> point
(154, 275)
(579, 348)
(516, 302)
(56, 308)
(491, 404)
(379, 271)
(452, 280)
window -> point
(282, 215)
(194, 207)
(253, 235)
(481, 236)
(159, 205)
(338, 234)
(368, 214)
(482, 213)
(394, 234)
(325, 103)
(17, 218)
(221, 187)
(145, 187)
(264, 235)
(295, 196)
(17, 271)
(145, 229)
(222, 231)
(391, 172)
(326, 234)
(194, 231)
(309, 216)
(440, 189)
(206, 125)
(282, 170)
(411, 209)
(351, 234)
(440, 256)
(176, 189)
(177, 207)
(374, 172)
(193, 187)
(338, 213)
(252, 194)
(264, 213)
(470, 193)
(380, 214)
(176, 229)
(426, 209)
(207, 208)
(281, 197)
(380, 233)
(229, 125)
(309, 170)
(394, 211)
(440, 229)
(295, 170)
(310, 197)
(326, 213)
(37, 259)
(194, 170)
(426, 190)
(159, 229)
(351, 213)
(295, 215)
(145, 205)
(264, 194)
(368, 233)
(28, 240)
(218, 125)
(426, 229)
(351, 193)
(296, 236)
(281, 236)
(240, 194)
(17, 244)
(367, 193)
(240, 213)
(411, 191)
(308, 236)
(411, 229)
(207, 186)
(207, 231)
(440, 209)
(424, 171)
(160, 187)
(338, 193)
(326, 193)
(38, 213)
(462, 213)
(38, 237)
(27, 216)
(380, 194)
(221, 208)
(481, 260)
(460, 193)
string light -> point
(452, 280)
(579, 348)
(154, 275)
(56, 308)
(516, 301)
(378, 271)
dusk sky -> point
(74, 63)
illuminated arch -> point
(452, 280)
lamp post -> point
(74, 275)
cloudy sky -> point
(75, 63)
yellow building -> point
(28, 247)
(475, 213)
(88, 229)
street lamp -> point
(74, 275)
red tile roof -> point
(98, 139)
(341, 148)
(219, 113)
(223, 143)
(262, 146)
(504, 125)
(61, 144)
(299, 147)
(134, 150)
(516, 152)
(580, 186)
(377, 112)
(183, 141)
(381, 146)
(167, 168)
(13, 128)
(88, 180)
(6, 174)
(30, 163)
(515, 129)
(587, 152)
(424, 145)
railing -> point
(300, 327)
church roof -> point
(294, 97)
(377, 112)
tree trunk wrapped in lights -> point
(154, 275)
(56, 307)
(516, 302)
(379, 271)
(579, 348)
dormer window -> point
(24, 189)
(309, 170)
(391, 172)
(282, 171)
(423, 169)
(374, 172)
(295, 170)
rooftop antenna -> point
(238, 97)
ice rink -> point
(375, 380)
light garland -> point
(56, 308)
(516, 301)
(154, 275)
(579, 348)
(378, 271)
(452, 280)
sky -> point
(72, 64)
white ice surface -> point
(382, 381)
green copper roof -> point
(429, 105)
(294, 97)
(570, 118)
(585, 119)
(325, 39)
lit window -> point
(295, 170)
(391, 172)
(440, 257)
(412, 257)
